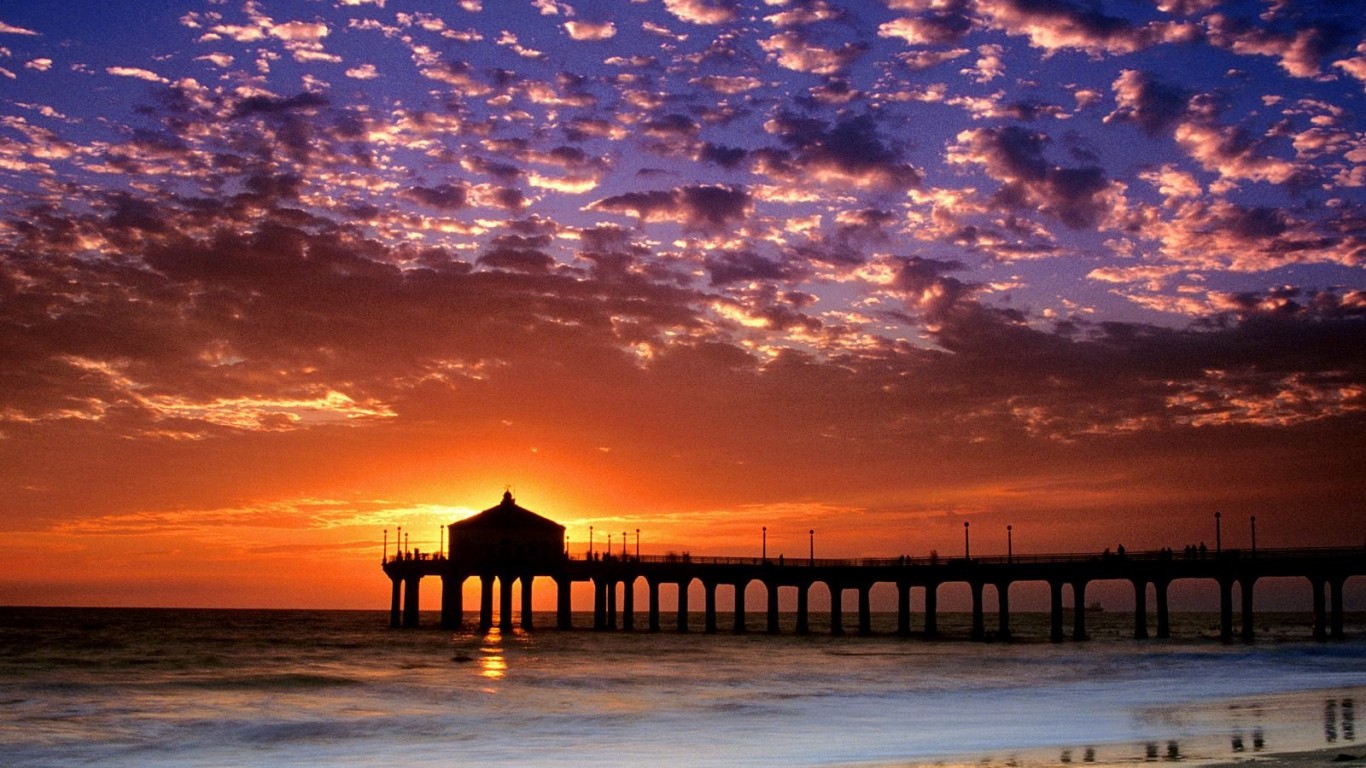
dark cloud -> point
(445, 197)
(724, 156)
(1078, 197)
(740, 266)
(1058, 24)
(926, 286)
(848, 151)
(1300, 40)
(708, 208)
(671, 127)
(941, 23)
(1153, 105)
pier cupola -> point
(506, 537)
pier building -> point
(509, 546)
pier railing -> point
(1012, 559)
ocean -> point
(143, 687)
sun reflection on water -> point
(492, 663)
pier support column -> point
(1078, 610)
(1055, 611)
(903, 609)
(803, 609)
(709, 613)
(1164, 624)
(1003, 610)
(978, 622)
(526, 603)
(1320, 611)
(772, 608)
(1336, 624)
(485, 602)
(611, 603)
(683, 607)
(739, 608)
(836, 609)
(564, 613)
(1140, 609)
(1226, 610)
(452, 602)
(931, 610)
(504, 604)
(654, 605)
(628, 605)
(1249, 618)
(410, 601)
(396, 603)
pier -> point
(510, 546)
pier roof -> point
(508, 515)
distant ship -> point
(1095, 607)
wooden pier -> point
(509, 545)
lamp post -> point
(623, 545)
(609, 545)
(812, 534)
(967, 544)
(1218, 535)
(398, 544)
(383, 558)
(763, 554)
(637, 544)
(1010, 544)
(1254, 535)
(590, 542)
(566, 545)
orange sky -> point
(278, 276)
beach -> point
(1318, 758)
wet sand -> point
(1318, 758)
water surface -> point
(215, 688)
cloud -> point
(704, 207)
(1153, 105)
(1061, 24)
(446, 197)
(1301, 52)
(743, 266)
(299, 31)
(136, 72)
(850, 151)
(588, 30)
(518, 253)
(939, 23)
(729, 84)
(10, 29)
(1080, 197)
(703, 11)
(1233, 153)
(918, 60)
(792, 51)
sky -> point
(277, 278)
